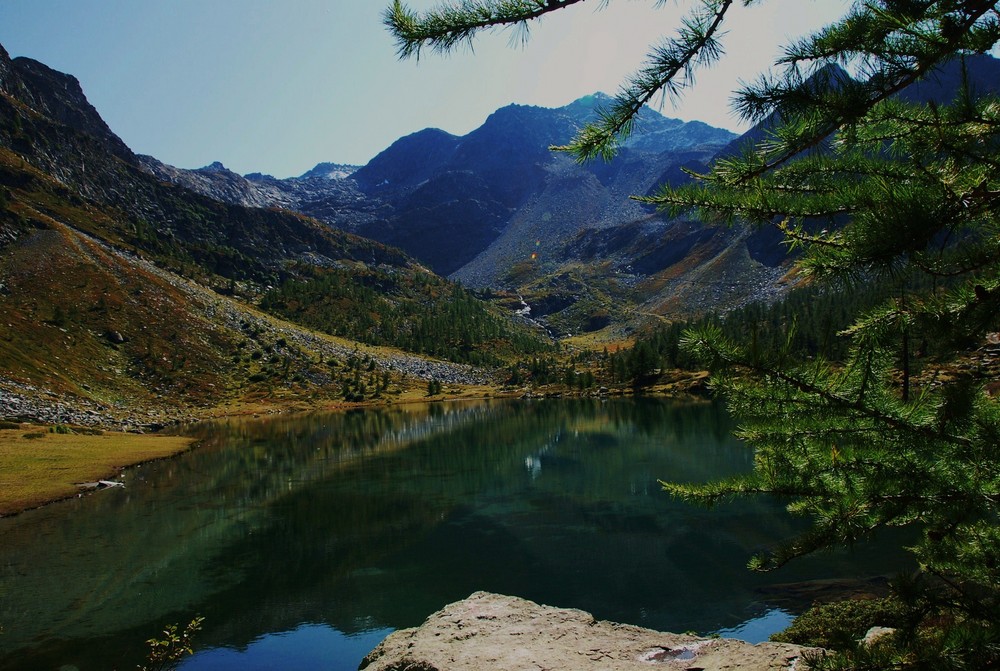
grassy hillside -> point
(125, 297)
(93, 325)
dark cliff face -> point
(408, 162)
(466, 205)
(9, 82)
(59, 97)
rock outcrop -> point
(490, 631)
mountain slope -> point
(46, 120)
(446, 200)
(92, 332)
(485, 207)
(497, 209)
(642, 264)
(119, 291)
(475, 211)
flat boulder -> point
(491, 631)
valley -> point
(530, 221)
(136, 295)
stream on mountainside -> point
(304, 540)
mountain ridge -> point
(497, 210)
(473, 206)
(135, 301)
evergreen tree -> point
(868, 187)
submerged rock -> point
(491, 631)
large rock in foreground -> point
(490, 631)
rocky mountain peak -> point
(6, 74)
(654, 132)
(214, 166)
(528, 125)
(57, 96)
(592, 101)
(328, 170)
(409, 160)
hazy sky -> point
(277, 86)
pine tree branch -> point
(695, 44)
(444, 28)
(733, 357)
(944, 497)
(760, 204)
(880, 86)
(797, 235)
(819, 537)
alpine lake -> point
(303, 541)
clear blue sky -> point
(277, 86)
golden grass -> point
(48, 466)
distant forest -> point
(805, 324)
(417, 312)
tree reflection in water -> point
(371, 520)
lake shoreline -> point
(40, 466)
(25, 403)
(24, 464)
